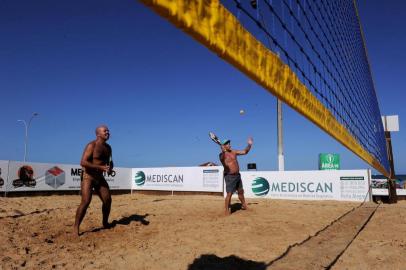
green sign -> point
(329, 162)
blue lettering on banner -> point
(308, 187)
(302, 187)
(164, 178)
(275, 187)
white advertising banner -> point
(380, 186)
(345, 185)
(208, 179)
(385, 192)
(3, 174)
(29, 176)
(342, 185)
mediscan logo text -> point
(141, 178)
(165, 178)
(261, 187)
(302, 187)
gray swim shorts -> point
(233, 182)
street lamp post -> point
(27, 126)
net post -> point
(393, 198)
(281, 160)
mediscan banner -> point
(343, 185)
(208, 179)
(3, 174)
(29, 176)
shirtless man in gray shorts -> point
(96, 160)
(232, 177)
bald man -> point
(96, 160)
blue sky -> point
(83, 63)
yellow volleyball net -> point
(302, 54)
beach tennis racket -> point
(214, 138)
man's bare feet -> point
(227, 212)
(244, 207)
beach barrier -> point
(30, 176)
(199, 179)
(341, 185)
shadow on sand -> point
(238, 206)
(213, 262)
(128, 220)
(123, 221)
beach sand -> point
(190, 232)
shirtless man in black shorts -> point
(232, 177)
(96, 160)
(1, 180)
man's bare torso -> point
(101, 155)
(230, 163)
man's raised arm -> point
(247, 149)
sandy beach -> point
(190, 232)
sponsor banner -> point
(345, 185)
(380, 186)
(208, 179)
(3, 174)
(329, 161)
(385, 192)
(29, 176)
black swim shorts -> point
(233, 182)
